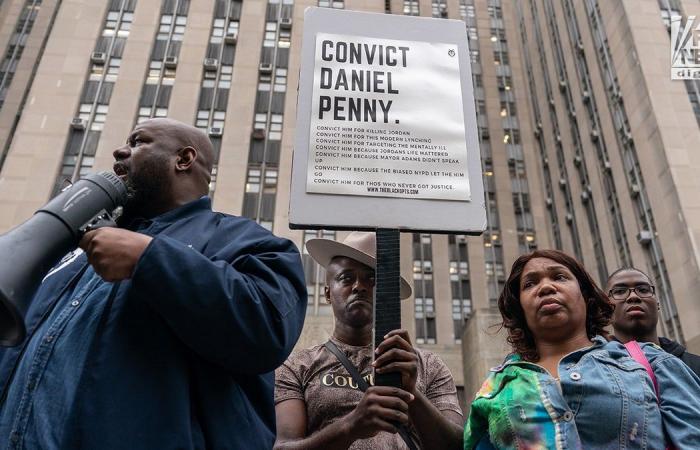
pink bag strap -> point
(638, 355)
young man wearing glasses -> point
(637, 313)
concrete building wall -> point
(484, 347)
(25, 27)
(667, 134)
(240, 112)
(32, 162)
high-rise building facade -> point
(586, 143)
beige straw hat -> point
(358, 245)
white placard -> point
(387, 119)
(434, 107)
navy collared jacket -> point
(185, 350)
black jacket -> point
(677, 350)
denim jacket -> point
(605, 399)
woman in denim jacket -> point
(565, 386)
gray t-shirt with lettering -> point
(315, 376)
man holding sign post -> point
(321, 405)
(386, 140)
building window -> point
(501, 58)
(425, 320)
(495, 11)
(217, 70)
(669, 8)
(337, 4)
(162, 67)
(459, 283)
(87, 125)
(15, 47)
(315, 276)
(411, 8)
(493, 262)
(423, 289)
(439, 8)
(268, 119)
(461, 295)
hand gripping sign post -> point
(386, 137)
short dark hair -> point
(631, 269)
(599, 308)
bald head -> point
(184, 135)
(179, 136)
(165, 163)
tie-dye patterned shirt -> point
(605, 399)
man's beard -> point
(147, 190)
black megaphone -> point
(31, 249)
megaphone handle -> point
(101, 221)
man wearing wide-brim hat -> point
(321, 405)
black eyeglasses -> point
(621, 292)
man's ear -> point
(186, 157)
(327, 294)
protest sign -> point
(386, 128)
(369, 134)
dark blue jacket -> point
(185, 351)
